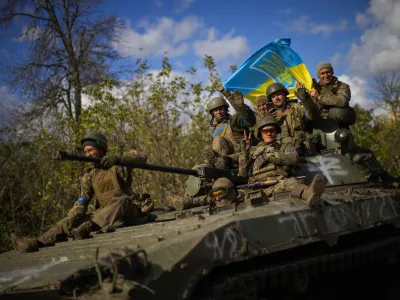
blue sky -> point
(319, 29)
(360, 37)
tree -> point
(387, 91)
(68, 51)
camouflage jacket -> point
(104, 184)
(268, 161)
(242, 120)
(292, 118)
(336, 93)
(293, 115)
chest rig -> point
(224, 129)
(271, 170)
(106, 185)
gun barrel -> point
(61, 155)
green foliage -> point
(160, 114)
(381, 135)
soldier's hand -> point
(109, 160)
(238, 98)
(245, 144)
(300, 90)
(314, 94)
(299, 85)
(147, 206)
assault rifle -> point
(197, 184)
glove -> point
(301, 92)
(109, 160)
(238, 99)
(147, 206)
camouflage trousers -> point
(287, 185)
(118, 212)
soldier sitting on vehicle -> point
(114, 204)
(272, 160)
(292, 116)
(228, 131)
(333, 96)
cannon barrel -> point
(125, 162)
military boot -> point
(83, 231)
(210, 156)
(23, 244)
(310, 194)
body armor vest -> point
(224, 129)
(269, 171)
(105, 185)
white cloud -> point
(227, 46)
(379, 47)
(9, 107)
(305, 26)
(359, 91)
(28, 34)
(336, 59)
(174, 37)
(184, 5)
(166, 35)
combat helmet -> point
(261, 100)
(267, 120)
(98, 139)
(272, 88)
(216, 102)
(225, 188)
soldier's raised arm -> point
(244, 116)
(311, 108)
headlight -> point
(341, 135)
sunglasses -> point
(219, 192)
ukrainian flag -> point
(275, 62)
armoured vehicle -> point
(243, 252)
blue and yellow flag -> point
(275, 62)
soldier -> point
(223, 192)
(262, 106)
(110, 184)
(292, 116)
(272, 160)
(333, 96)
(228, 132)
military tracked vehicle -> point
(230, 252)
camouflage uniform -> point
(292, 117)
(114, 207)
(228, 132)
(336, 93)
(274, 161)
(334, 98)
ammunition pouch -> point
(270, 171)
